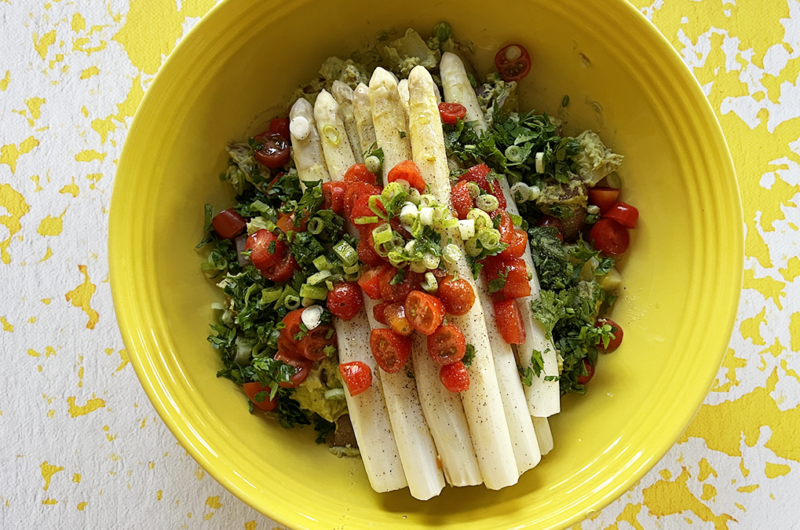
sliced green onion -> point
(307, 302)
(394, 189)
(346, 253)
(350, 269)
(377, 210)
(591, 219)
(473, 189)
(219, 306)
(520, 192)
(413, 196)
(271, 294)
(427, 200)
(614, 180)
(352, 276)
(318, 278)
(315, 292)
(396, 258)
(373, 164)
(472, 247)
(316, 226)
(329, 285)
(426, 215)
(367, 220)
(430, 284)
(487, 203)
(408, 213)
(489, 238)
(334, 394)
(331, 133)
(417, 266)
(430, 261)
(382, 234)
(467, 228)
(516, 220)
(535, 193)
(481, 218)
(451, 253)
(514, 153)
(593, 209)
(539, 162)
(450, 222)
(287, 291)
(291, 302)
(322, 263)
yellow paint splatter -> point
(81, 297)
(17, 208)
(51, 226)
(5, 81)
(751, 327)
(82, 505)
(34, 353)
(252, 525)
(792, 269)
(213, 502)
(94, 178)
(80, 377)
(709, 492)
(141, 426)
(82, 410)
(665, 474)
(9, 154)
(35, 179)
(768, 287)
(78, 22)
(199, 473)
(669, 498)
(46, 301)
(47, 255)
(629, 515)
(89, 72)
(126, 109)
(41, 45)
(159, 494)
(49, 502)
(7, 326)
(747, 489)
(51, 412)
(705, 470)
(776, 470)
(32, 320)
(208, 516)
(731, 362)
(90, 154)
(124, 360)
(48, 470)
(34, 110)
(82, 45)
(72, 189)
(115, 457)
(76, 478)
(150, 31)
(794, 331)
(744, 470)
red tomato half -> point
(451, 112)
(359, 173)
(280, 126)
(333, 192)
(366, 252)
(357, 376)
(345, 300)
(379, 312)
(614, 343)
(283, 270)
(624, 214)
(395, 316)
(515, 238)
(255, 388)
(461, 199)
(271, 149)
(513, 62)
(313, 345)
(391, 351)
(478, 174)
(300, 373)
(370, 282)
(509, 321)
(456, 295)
(610, 237)
(286, 223)
(515, 273)
(228, 224)
(603, 198)
(583, 379)
(447, 345)
(424, 312)
(356, 191)
(266, 250)
(407, 170)
(454, 377)
(398, 292)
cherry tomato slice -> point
(300, 373)
(357, 376)
(266, 250)
(280, 126)
(552, 222)
(379, 312)
(283, 270)
(407, 170)
(603, 198)
(359, 173)
(583, 379)
(271, 149)
(610, 237)
(333, 192)
(398, 292)
(313, 345)
(286, 223)
(345, 300)
(509, 321)
(395, 316)
(478, 174)
(370, 281)
(460, 197)
(451, 112)
(228, 224)
(354, 192)
(454, 377)
(457, 295)
(515, 238)
(291, 323)
(515, 273)
(391, 351)
(616, 329)
(624, 214)
(424, 312)
(513, 62)
(447, 345)
(366, 252)
(253, 389)
(361, 209)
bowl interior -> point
(682, 276)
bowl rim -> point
(124, 303)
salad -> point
(416, 267)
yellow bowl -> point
(682, 278)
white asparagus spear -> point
(544, 397)
(391, 126)
(306, 147)
(543, 434)
(363, 117)
(402, 89)
(335, 144)
(368, 412)
(344, 97)
(482, 401)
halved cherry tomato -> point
(552, 222)
(447, 345)
(357, 376)
(283, 270)
(280, 126)
(366, 252)
(228, 224)
(291, 324)
(513, 62)
(359, 173)
(616, 329)
(509, 321)
(253, 389)
(583, 379)
(451, 112)
(333, 192)
(624, 214)
(391, 351)
(424, 312)
(407, 170)
(515, 238)
(461, 199)
(379, 312)
(345, 300)
(370, 281)
(286, 223)
(454, 377)
(478, 174)
(265, 248)
(313, 345)
(398, 292)
(271, 149)
(457, 295)
(301, 371)
(603, 198)
(354, 192)
(361, 209)
(610, 237)
(395, 316)
(515, 273)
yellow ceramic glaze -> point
(682, 276)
